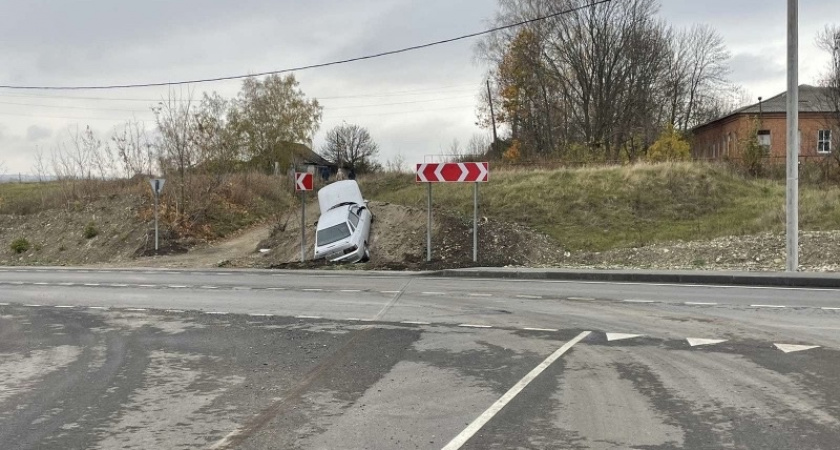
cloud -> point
(37, 133)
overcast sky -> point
(414, 104)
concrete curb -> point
(769, 279)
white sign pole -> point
(475, 222)
(156, 223)
(429, 227)
(157, 186)
(302, 226)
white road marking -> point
(97, 307)
(480, 295)
(177, 286)
(41, 283)
(174, 310)
(433, 293)
(18, 283)
(4, 304)
(63, 306)
(389, 292)
(312, 290)
(92, 284)
(768, 306)
(790, 348)
(532, 297)
(470, 325)
(638, 301)
(411, 322)
(209, 287)
(621, 336)
(136, 309)
(627, 283)
(351, 290)
(695, 342)
(701, 303)
(216, 313)
(585, 299)
(146, 285)
(66, 284)
(554, 330)
(275, 289)
(259, 315)
(33, 306)
(494, 409)
(308, 317)
(831, 309)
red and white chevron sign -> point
(303, 181)
(470, 172)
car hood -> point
(340, 192)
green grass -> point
(597, 209)
(25, 198)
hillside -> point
(660, 216)
(597, 209)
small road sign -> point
(303, 181)
(157, 185)
(470, 172)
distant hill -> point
(22, 178)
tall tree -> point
(269, 115)
(351, 146)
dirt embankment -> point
(124, 236)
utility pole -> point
(492, 113)
(792, 203)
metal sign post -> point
(475, 222)
(303, 182)
(453, 173)
(157, 186)
(429, 226)
(792, 188)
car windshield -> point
(333, 234)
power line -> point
(413, 92)
(312, 66)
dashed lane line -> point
(471, 325)
(476, 294)
(700, 303)
(308, 317)
(581, 299)
(530, 297)
(414, 322)
(769, 306)
(458, 441)
(549, 330)
(630, 300)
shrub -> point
(20, 245)
(670, 147)
(91, 231)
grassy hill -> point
(596, 209)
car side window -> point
(354, 219)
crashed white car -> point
(344, 226)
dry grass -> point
(598, 208)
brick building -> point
(818, 128)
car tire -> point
(366, 258)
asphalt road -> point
(121, 359)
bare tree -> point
(829, 41)
(39, 165)
(133, 149)
(175, 144)
(351, 146)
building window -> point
(764, 139)
(824, 141)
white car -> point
(343, 229)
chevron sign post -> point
(453, 173)
(469, 172)
(303, 182)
